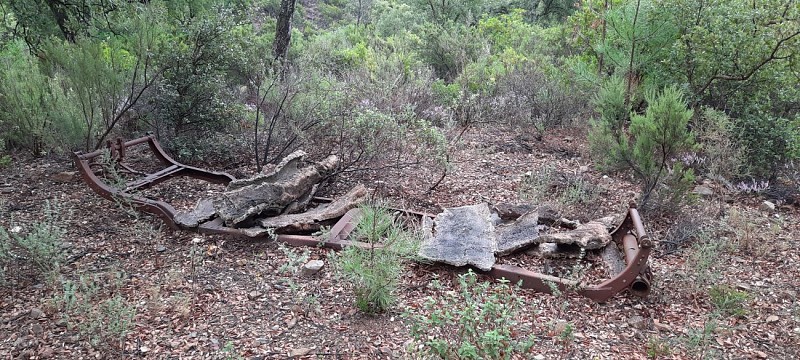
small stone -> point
(772, 319)
(703, 190)
(254, 295)
(637, 322)
(303, 351)
(37, 329)
(312, 267)
(65, 176)
(560, 327)
(291, 323)
(16, 229)
(539, 357)
(36, 313)
(144, 349)
(583, 169)
(767, 206)
(161, 248)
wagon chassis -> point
(625, 256)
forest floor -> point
(732, 293)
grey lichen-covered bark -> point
(461, 236)
(519, 234)
(311, 220)
(204, 210)
(272, 194)
(590, 236)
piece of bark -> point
(312, 220)
(614, 262)
(550, 217)
(271, 194)
(512, 212)
(592, 235)
(517, 235)
(202, 212)
(461, 236)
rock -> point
(592, 235)
(65, 176)
(253, 295)
(312, 220)
(161, 248)
(637, 322)
(291, 323)
(203, 211)
(303, 351)
(460, 236)
(36, 313)
(517, 235)
(144, 349)
(767, 206)
(772, 319)
(312, 267)
(583, 169)
(37, 329)
(703, 190)
(272, 194)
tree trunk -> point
(62, 19)
(283, 31)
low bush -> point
(374, 270)
(649, 146)
(728, 300)
(41, 246)
(477, 321)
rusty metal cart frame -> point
(631, 245)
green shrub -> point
(719, 154)
(477, 321)
(41, 246)
(728, 300)
(374, 270)
(649, 146)
(768, 142)
(5, 159)
(94, 305)
(36, 113)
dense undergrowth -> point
(392, 83)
